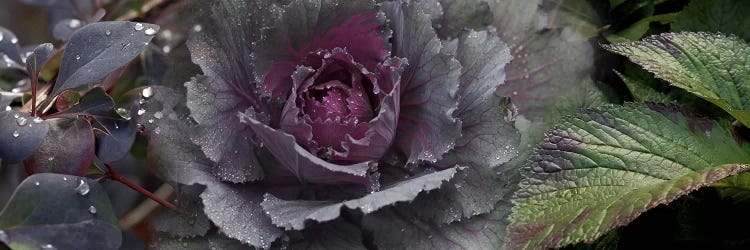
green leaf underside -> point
(602, 168)
(714, 67)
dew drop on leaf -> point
(158, 115)
(83, 188)
(22, 121)
(150, 31)
(108, 32)
(48, 247)
(157, 130)
(37, 120)
(123, 113)
(36, 183)
(14, 40)
(74, 23)
(141, 111)
(198, 28)
(138, 26)
(16, 116)
(92, 210)
(147, 92)
(15, 134)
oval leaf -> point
(56, 210)
(98, 49)
(20, 135)
(602, 168)
(69, 149)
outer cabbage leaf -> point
(396, 228)
(222, 47)
(184, 162)
(602, 168)
(711, 66)
(426, 126)
(550, 74)
(293, 214)
(192, 222)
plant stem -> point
(114, 175)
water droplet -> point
(8, 108)
(65, 178)
(157, 130)
(138, 26)
(158, 115)
(3, 236)
(108, 32)
(16, 116)
(14, 40)
(141, 111)
(92, 210)
(37, 120)
(123, 113)
(147, 92)
(51, 158)
(166, 49)
(150, 31)
(78, 57)
(36, 183)
(197, 28)
(22, 121)
(83, 188)
(15, 134)
(74, 23)
(48, 247)
(150, 120)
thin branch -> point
(114, 175)
(145, 208)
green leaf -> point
(735, 187)
(712, 66)
(56, 210)
(640, 28)
(725, 16)
(602, 168)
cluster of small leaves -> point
(61, 123)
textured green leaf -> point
(725, 16)
(602, 168)
(714, 67)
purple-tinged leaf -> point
(353, 26)
(221, 135)
(337, 234)
(117, 144)
(37, 58)
(426, 127)
(303, 164)
(65, 28)
(293, 214)
(397, 228)
(192, 222)
(20, 135)
(32, 218)
(10, 53)
(98, 49)
(183, 162)
(67, 149)
(96, 102)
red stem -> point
(114, 175)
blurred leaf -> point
(735, 187)
(96, 102)
(725, 16)
(10, 53)
(640, 28)
(64, 212)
